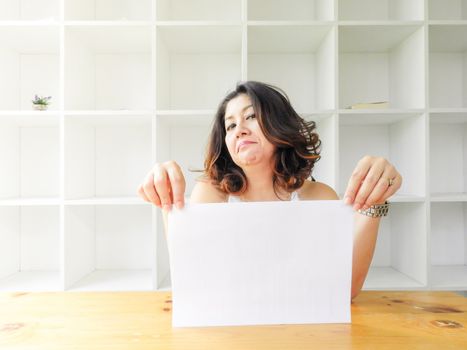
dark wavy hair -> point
(297, 145)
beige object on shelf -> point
(370, 105)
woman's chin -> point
(249, 159)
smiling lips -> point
(244, 143)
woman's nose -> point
(241, 129)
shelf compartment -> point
(326, 127)
(108, 10)
(26, 10)
(162, 274)
(449, 197)
(199, 10)
(105, 156)
(29, 145)
(182, 137)
(389, 278)
(447, 9)
(382, 63)
(448, 66)
(30, 249)
(166, 284)
(380, 10)
(449, 277)
(296, 10)
(398, 138)
(115, 280)
(175, 116)
(106, 201)
(39, 201)
(29, 65)
(108, 248)
(400, 258)
(296, 58)
(449, 246)
(398, 198)
(190, 60)
(448, 154)
(108, 68)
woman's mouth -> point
(244, 143)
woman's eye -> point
(251, 116)
(230, 126)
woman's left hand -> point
(373, 181)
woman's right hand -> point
(164, 186)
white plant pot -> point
(38, 107)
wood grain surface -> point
(142, 320)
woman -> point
(260, 149)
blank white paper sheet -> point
(258, 263)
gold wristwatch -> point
(376, 210)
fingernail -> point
(167, 207)
(356, 206)
(347, 200)
(365, 207)
(179, 205)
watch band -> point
(376, 210)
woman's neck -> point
(260, 185)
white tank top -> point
(233, 199)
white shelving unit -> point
(138, 82)
(29, 64)
(400, 260)
(448, 136)
(199, 10)
(381, 10)
(27, 10)
(108, 67)
(400, 137)
(30, 144)
(108, 10)
(190, 58)
(448, 66)
(298, 58)
(99, 161)
(447, 10)
(449, 245)
(382, 63)
(30, 249)
(296, 10)
(108, 247)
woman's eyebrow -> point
(231, 116)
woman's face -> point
(245, 141)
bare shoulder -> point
(316, 191)
(205, 192)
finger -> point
(169, 189)
(377, 195)
(150, 191)
(142, 194)
(177, 184)
(162, 187)
(356, 179)
(369, 183)
(394, 187)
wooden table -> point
(142, 320)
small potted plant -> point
(41, 103)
